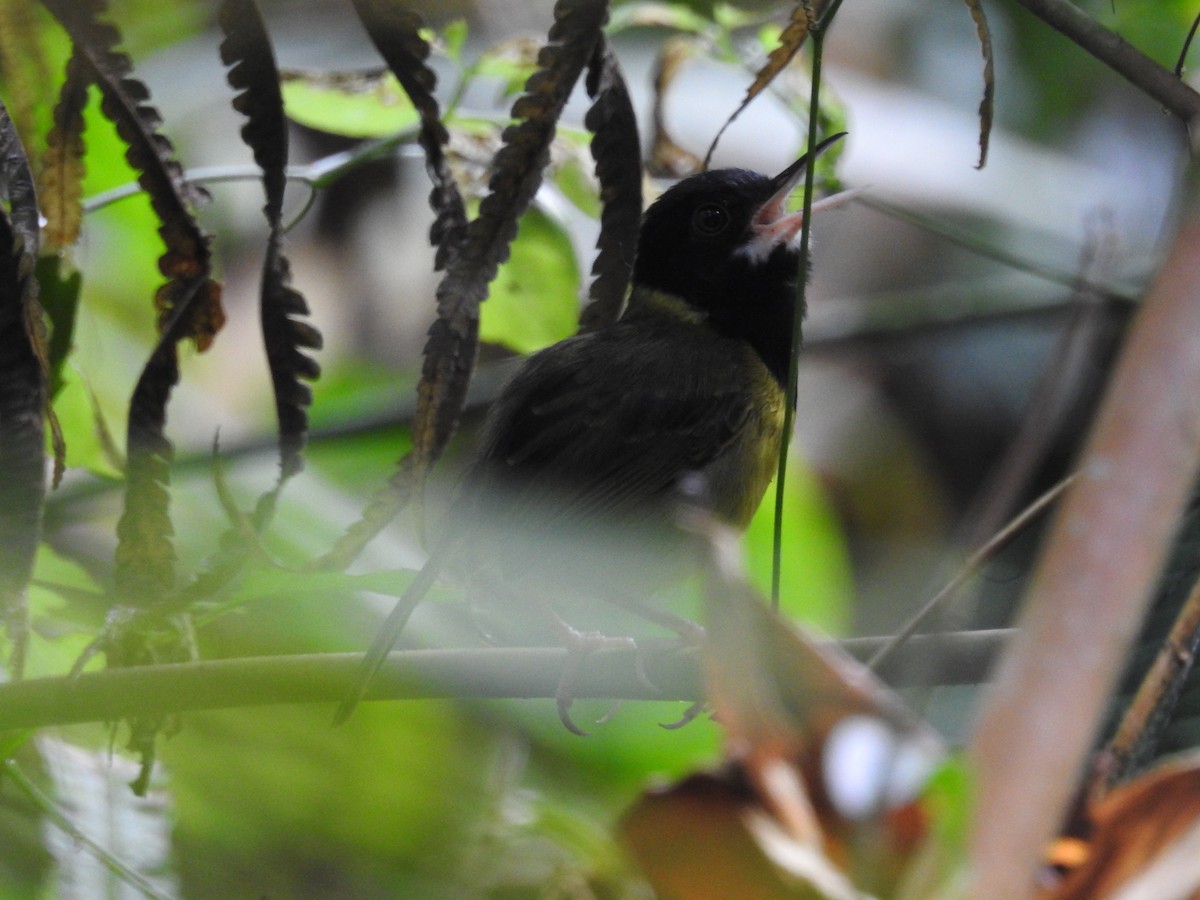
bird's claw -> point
(688, 716)
(580, 645)
(691, 636)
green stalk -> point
(51, 811)
(789, 413)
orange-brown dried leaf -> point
(28, 84)
(188, 304)
(209, 316)
(283, 311)
(450, 351)
(1128, 831)
(791, 39)
(35, 328)
(253, 72)
(145, 555)
(287, 335)
(667, 159)
(691, 842)
(780, 697)
(124, 100)
(205, 315)
(986, 105)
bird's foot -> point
(580, 645)
(691, 637)
(689, 715)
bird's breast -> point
(738, 478)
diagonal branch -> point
(1090, 591)
(1119, 55)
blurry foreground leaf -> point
(1140, 840)
(824, 769)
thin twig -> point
(1119, 55)
(976, 561)
(521, 672)
(53, 813)
(983, 247)
(1150, 711)
(1187, 45)
(318, 174)
(1060, 389)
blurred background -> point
(961, 323)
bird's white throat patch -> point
(772, 228)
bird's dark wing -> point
(608, 422)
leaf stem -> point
(318, 174)
(789, 412)
(54, 814)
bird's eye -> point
(710, 220)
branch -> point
(116, 694)
(1119, 55)
(1149, 713)
(1091, 588)
(478, 673)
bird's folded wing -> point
(610, 422)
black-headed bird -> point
(590, 446)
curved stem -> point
(318, 174)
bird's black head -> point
(724, 243)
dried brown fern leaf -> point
(23, 381)
(283, 312)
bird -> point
(605, 432)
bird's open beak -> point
(773, 225)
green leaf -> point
(384, 802)
(578, 185)
(534, 301)
(940, 866)
(511, 62)
(453, 37)
(83, 416)
(59, 292)
(66, 604)
(351, 104)
(673, 16)
(816, 584)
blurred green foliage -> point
(1063, 80)
(421, 799)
